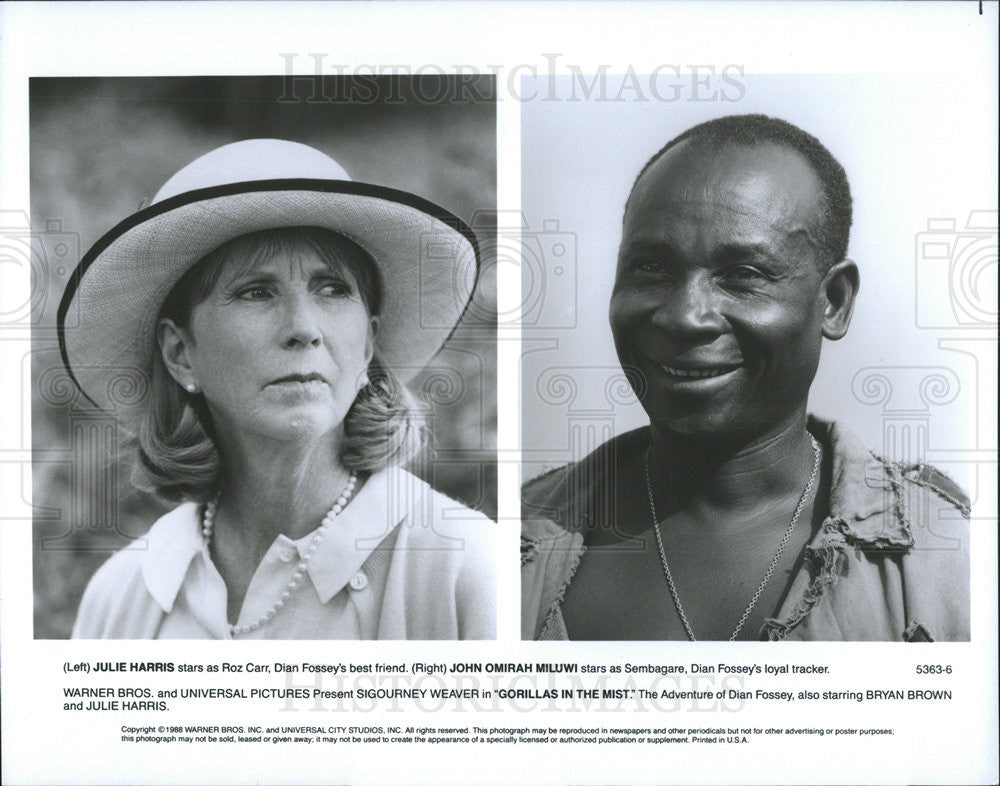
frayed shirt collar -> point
(863, 496)
(864, 490)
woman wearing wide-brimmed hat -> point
(273, 309)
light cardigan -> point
(401, 561)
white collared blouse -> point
(401, 561)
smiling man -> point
(735, 515)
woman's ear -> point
(175, 343)
(840, 288)
(370, 341)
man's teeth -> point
(691, 373)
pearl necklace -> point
(208, 520)
(770, 568)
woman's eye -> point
(255, 292)
(337, 289)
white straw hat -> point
(427, 258)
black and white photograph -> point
(499, 393)
(253, 348)
(747, 507)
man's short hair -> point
(753, 130)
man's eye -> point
(650, 265)
(745, 274)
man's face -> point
(720, 296)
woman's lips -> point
(299, 387)
(298, 379)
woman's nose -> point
(301, 328)
(689, 308)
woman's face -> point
(280, 348)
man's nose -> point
(690, 307)
(301, 327)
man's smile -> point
(702, 372)
(687, 369)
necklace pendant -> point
(817, 451)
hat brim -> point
(427, 257)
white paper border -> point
(56, 39)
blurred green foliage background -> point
(100, 148)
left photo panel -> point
(263, 361)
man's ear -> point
(175, 343)
(840, 288)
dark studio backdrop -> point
(102, 147)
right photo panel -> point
(757, 311)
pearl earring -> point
(364, 381)
(191, 388)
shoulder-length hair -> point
(176, 456)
